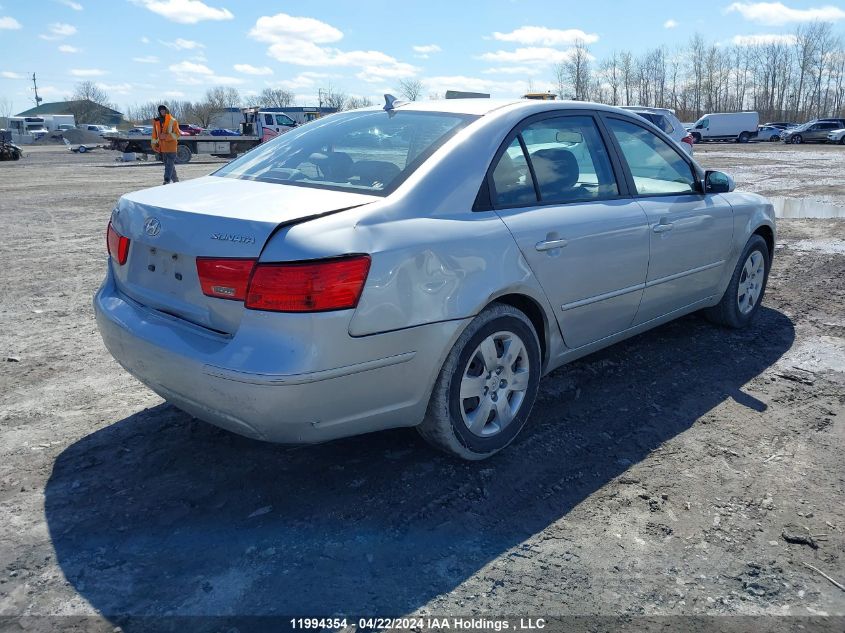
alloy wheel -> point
(494, 383)
(751, 282)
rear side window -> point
(566, 162)
(512, 178)
(656, 167)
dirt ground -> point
(690, 470)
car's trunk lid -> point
(169, 227)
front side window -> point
(566, 162)
(367, 152)
(283, 119)
(656, 167)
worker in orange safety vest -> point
(166, 135)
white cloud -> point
(546, 36)
(183, 45)
(67, 48)
(248, 69)
(441, 84)
(424, 51)
(70, 3)
(763, 38)
(302, 80)
(185, 11)
(188, 73)
(529, 55)
(8, 74)
(58, 30)
(512, 70)
(282, 26)
(123, 88)
(147, 59)
(9, 23)
(191, 67)
(87, 72)
(670, 24)
(174, 94)
(145, 40)
(777, 13)
(296, 40)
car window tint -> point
(569, 159)
(655, 166)
(512, 179)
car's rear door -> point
(690, 231)
(555, 185)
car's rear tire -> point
(745, 291)
(743, 137)
(487, 386)
(842, 140)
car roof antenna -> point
(391, 103)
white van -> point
(726, 126)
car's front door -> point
(690, 231)
(556, 189)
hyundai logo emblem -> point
(152, 227)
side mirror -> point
(717, 182)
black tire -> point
(727, 312)
(183, 154)
(444, 426)
(696, 136)
(796, 139)
(842, 140)
(775, 138)
(743, 137)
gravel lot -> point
(690, 470)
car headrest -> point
(557, 171)
(371, 172)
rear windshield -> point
(372, 152)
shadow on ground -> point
(159, 514)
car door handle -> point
(663, 227)
(548, 245)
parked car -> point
(64, 127)
(98, 129)
(190, 130)
(836, 136)
(317, 288)
(221, 131)
(768, 133)
(726, 126)
(815, 131)
(782, 125)
(666, 120)
(141, 130)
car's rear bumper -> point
(294, 378)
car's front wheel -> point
(745, 291)
(487, 386)
(797, 139)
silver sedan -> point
(423, 265)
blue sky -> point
(141, 50)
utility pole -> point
(320, 98)
(38, 99)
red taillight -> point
(688, 139)
(224, 278)
(315, 286)
(117, 245)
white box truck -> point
(726, 126)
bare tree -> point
(275, 98)
(202, 113)
(411, 89)
(222, 97)
(332, 98)
(5, 107)
(87, 102)
(577, 70)
(358, 102)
